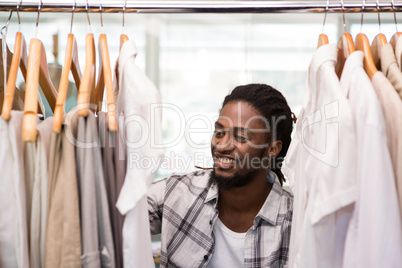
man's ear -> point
(275, 149)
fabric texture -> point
(390, 68)
(320, 166)
(371, 241)
(229, 247)
(39, 192)
(13, 221)
(140, 125)
(391, 108)
(63, 236)
(398, 52)
(97, 239)
(114, 172)
(183, 208)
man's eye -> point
(218, 133)
(241, 139)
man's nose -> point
(225, 143)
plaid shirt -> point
(184, 208)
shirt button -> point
(210, 222)
(205, 257)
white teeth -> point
(227, 160)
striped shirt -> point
(183, 207)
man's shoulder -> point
(187, 183)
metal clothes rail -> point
(202, 6)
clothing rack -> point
(202, 6)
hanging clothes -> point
(398, 52)
(114, 169)
(142, 134)
(320, 165)
(391, 107)
(371, 241)
(390, 68)
(63, 235)
(39, 193)
(97, 240)
(13, 222)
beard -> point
(237, 180)
(227, 183)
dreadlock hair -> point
(273, 106)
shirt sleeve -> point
(156, 196)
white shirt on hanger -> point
(391, 107)
(142, 130)
(374, 237)
(320, 166)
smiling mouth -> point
(226, 160)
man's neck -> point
(239, 206)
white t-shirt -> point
(229, 247)
(374, 233)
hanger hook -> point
(72, 16)
(393, 8)
(124, 11)
(325, 17)
(343, 13)
(18, 12)
(361, 22)
(37, 18)
(379, 19)
(101, 19)
(5, 28)
(89, 21)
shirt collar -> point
(212, 194)
(270, 209)
(387, 57)
(325, 53)
(355, 60)
(127, 51)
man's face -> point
(239, 145)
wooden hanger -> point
(19, 61)
(44, 80)
(8, 99)
(123, 38)
(322, 40)
(88, 78)
(378, 41)
(31, 92)
(345, 48)
(363, 44)
(105, 79)
(97, 94)
(111, 107)
(70, 63)
(394, 39)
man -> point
(236, 215)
